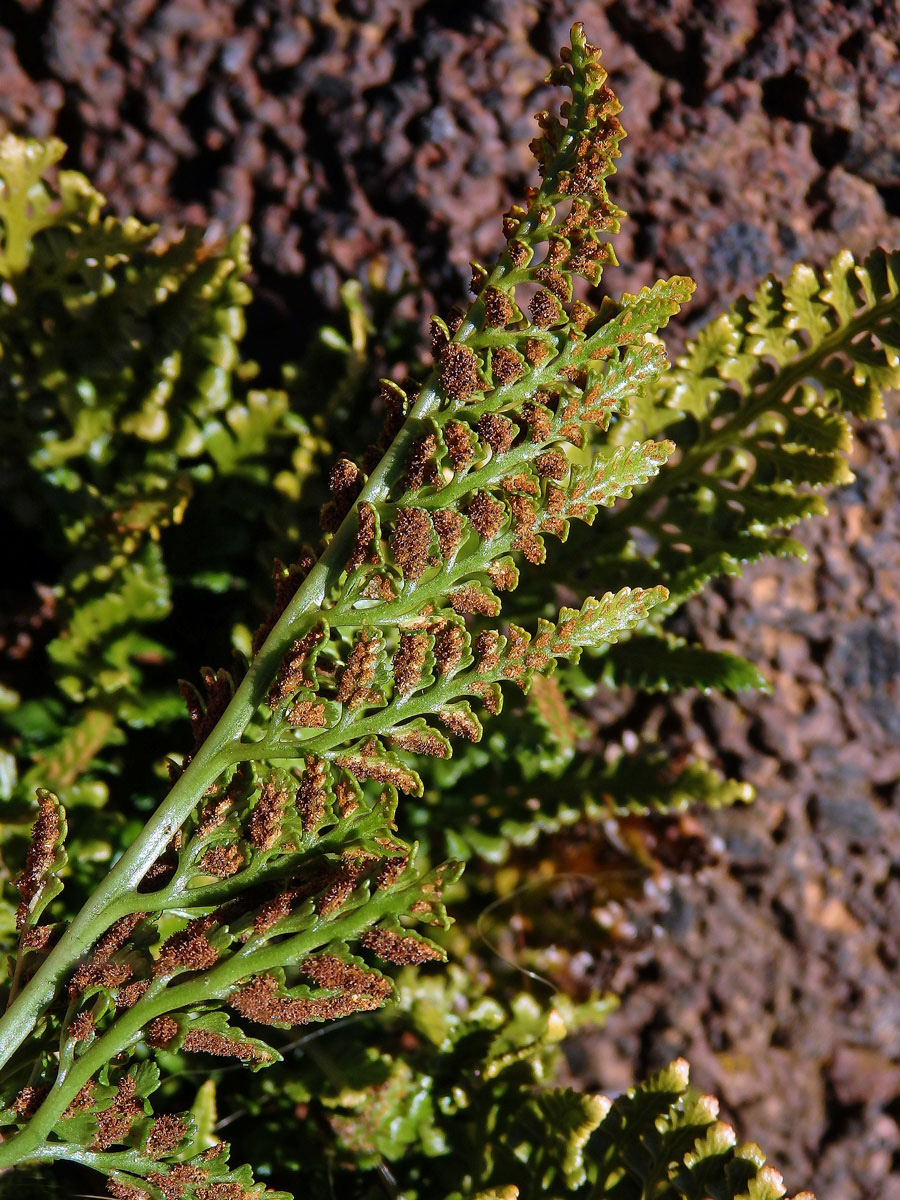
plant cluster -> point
(407, 706)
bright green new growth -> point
(272, 880)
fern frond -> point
(664, 1139)
(660, 663)
(276, 848)
(760, 407)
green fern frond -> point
(660, 663)
(664, 1139)
(759, 406)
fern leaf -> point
(658, 664)
(664, 1139)
(758, 438)
(27, 207)
(40, 882)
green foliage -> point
(449, 1060)
(759, 407)
(131, 426)
(663, 1139)
(121, 393)
(465, 1109)
(278, 885)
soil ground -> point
(395, 132)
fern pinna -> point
(271, 888)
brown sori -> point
(497, 431)
(188, 949)
(420, 741)
(421, 467)
(99, 969)
(367, 764)
(552, 464)
(507, 366)
(471, 601)
(460, 723)
(265, 820)
(331, 972)
(221, 861)
(459, 440)
(363, 545)
(165, 1134)
(410, 541)
(307, 714)
(485, 514)
(399, 950)
(312, 794)
(345, 482)
(293, 673)
(41, 852)
(409, 661)
(114, 1122)
(178, 1177)
(448, 526)
(459, 375)
(353, 688)
(539, 419)
(260, 1000)
(498, 308)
